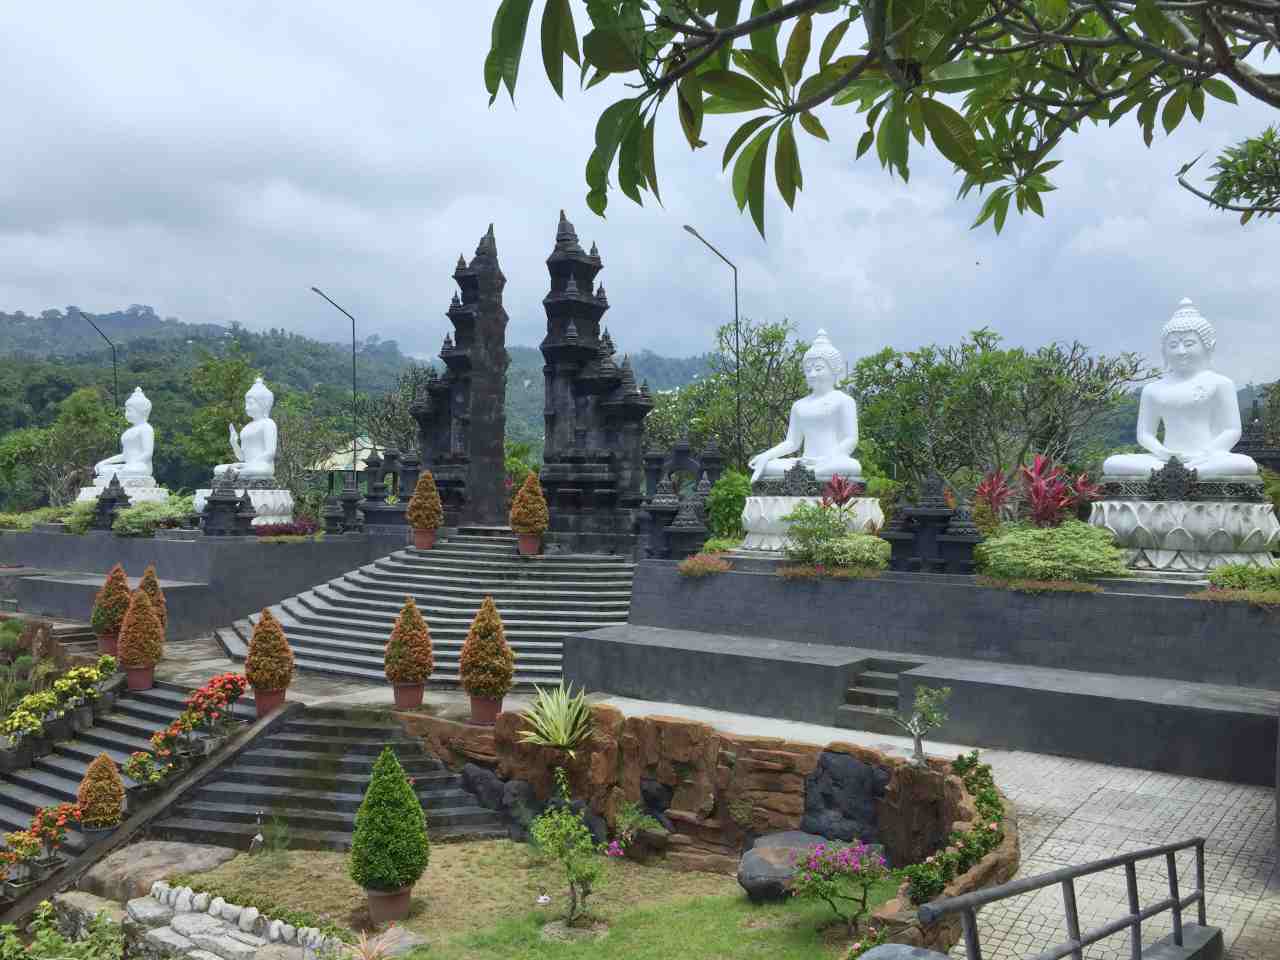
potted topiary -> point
(389, 849)
(425, 514)
(141, 642)
(109, 608)
(101, 796)
(151, 583)
(486, 664)
(269, 665)
(529, 516)
(23, 848)
(407, 659)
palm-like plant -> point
(557, 718)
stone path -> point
(1073, 811)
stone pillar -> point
(486, 430)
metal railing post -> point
(1200, 907)
(971, 945)
(1135, 931)
(1073, 917)
(1172, 861)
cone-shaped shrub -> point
(425, 511)
(389, 850)
(487, 664)
(151, 584)
(111, 603)
(101, 794)
(408, 657)
(529, 508)
(269, 665)
(141, 635)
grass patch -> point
(1039, 586)
(477, 901)
(1262, 599)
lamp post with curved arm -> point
(737, 346)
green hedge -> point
(1239, 576)
(1073, 551)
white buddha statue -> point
(137, 444)
(255, 445)
(824, 423)
(1198, 407)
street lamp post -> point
(115, 370)
(737, 344)
(355, 429)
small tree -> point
(269, 665)
(408, 657)
(926, 715)
(425, 511)
(725, 503)
(101, 794)
(151, 584)
(529, 508)
(112, 603)
(841, 876)
(141, 635)
(486, 664)
(561, 834)
(389, 850)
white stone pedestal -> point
(1190, 535)
(139, 489)
(273, 506)
(767, 531)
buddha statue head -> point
(137, 408)
(258, 401)
(823, 364)
(1187, 341)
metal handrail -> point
(967, 904)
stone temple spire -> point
(488, 246)
(571, 286)
(566, 236)
(600, 294)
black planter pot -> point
(16, 891)
(16, 757)
(104, 703)
(41, 746)
(59, 728)
(139, 795)
(82, 718)
(40, 869)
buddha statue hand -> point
(235, 441)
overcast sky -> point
(216, 160)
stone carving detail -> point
(111, 499)
(1181, 535)
(1242, 490)
(1173, 481)
(666, 493)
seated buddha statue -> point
(824, 423)
(137, 445)
(255, 445)
(1197, 406)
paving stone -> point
(230, 912)
(166, 942)
(198, 924)
(148, 911)
(227, 947)
(398, 940)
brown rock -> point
(791, 804)
(130, 871)
(699, 861)
(770, 782)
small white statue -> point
(825, 423)
(1199, 408)
(137, 443)
(255, 445)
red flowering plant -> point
(175, 739)
(49, 826)
(838, 491)
(211, 705)
(995, 491)
(1051, 493)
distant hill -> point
(66, 333)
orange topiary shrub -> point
(408, 657)
(101, 794)
(111, 603)
(141, 635)
(151, 584)
(486, 665)
(269, 665)
(425, 511)
(529, 508)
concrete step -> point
(499, 573)
(237, 836)
(878, 679)
(874, 719)
(469, 590)
(307, 778)
(321, 744)
(871, 697)
(466, 553)
(321, 642)
(383, 613)
(287, 759)
(346, 801)
(310, 610)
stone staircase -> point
(341, 627)
(872, 700)
(55, 778)
(310, 775)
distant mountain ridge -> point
(67, 333)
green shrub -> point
(25, 521)
(1240, 576)
(103, 939)
(561, 834)
(558, 719)
(389, 849)
(724, 504)
(812, 526)
(80, 517)
(144, 519)
(1072, 551)
(886, 491)
(720, 545)
(854, 550)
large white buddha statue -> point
(824, 423)
(1199, 409)
(137, 445)
(255, 445)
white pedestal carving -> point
(139, 489)
(767, 531)
(273, 506)
(1190, 535)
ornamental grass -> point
(529, 508)
(112, 603)
(141, 634)
(389, 849)
(269, 665)
(425, 511)
(101, 794)
(486, 665)
(408, 657)
(151, 584)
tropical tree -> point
(219, 384)
(1029, 72)
(59, 458)
(386, 417)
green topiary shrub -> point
(425, 510)
(269, 664)
(141, 635)
(408, 657)
(150, 583)
(486, 665)
(854, 550)
(111, 603)
(1239, 576)
(724, 504)
(1072, 551)
(389, 850)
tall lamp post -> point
(355, 429)
(115, 370)
(737, 344)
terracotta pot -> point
(267, 700)
(407, 695)
(424, 539)
(140, 678)
(485, 710)
(109, 642)
(387, 905)
(530, 544)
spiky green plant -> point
(557, 718)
